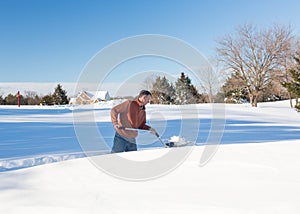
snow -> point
(178, 141)
(255, 169)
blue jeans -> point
(122, 144)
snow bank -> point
(25, 162)
(249, 178)
(13, 164)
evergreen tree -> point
(235, 89)
(162, 91)
(47, 100)
(2, 101)
(181, 90)
(294, 86)
(198, 98)
(59, 96)
(185, 92)
(11, 100)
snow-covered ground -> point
(254, 170)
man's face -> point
(145, 99)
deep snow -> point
(34, 135)
(254, 170)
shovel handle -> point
(156, 134)
(134, 129)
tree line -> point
(255, 65)
(58, 97)
(259, 63)
(180, 93)
(232, 91)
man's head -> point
(144, 97)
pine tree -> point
(60, 96)
(235, 89)
(47, 100)
(2, 101)
(294, 86)
(185, 92)
(11, 100)
(162, 91)
(181, 90)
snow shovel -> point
(169, 144)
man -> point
(129, 114)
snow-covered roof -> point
(95, 95)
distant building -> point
(90, 97)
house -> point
(90, 97)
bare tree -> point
(211, 79)
(209, 83)
(255, 54)
(148, 81)
(31, 98)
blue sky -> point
(52, 40)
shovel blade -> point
(170, 144)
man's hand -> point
(117, 126)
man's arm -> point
(114, 115)
(115, 111)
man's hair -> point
(144, 92)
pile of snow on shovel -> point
(179, 141)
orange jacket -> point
(129, 114)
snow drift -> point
(255, 169)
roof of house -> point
(103, 95)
